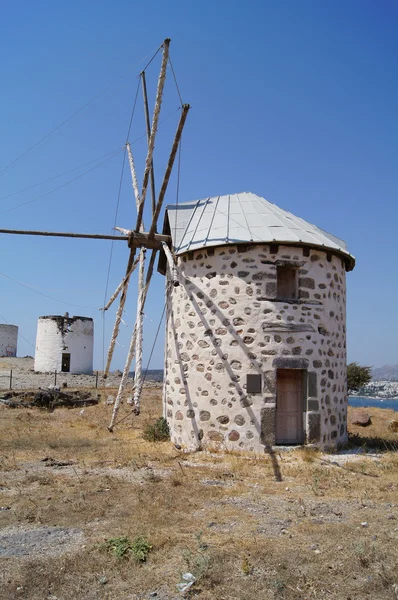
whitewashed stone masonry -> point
(8, 340)
(63, 334)
(225, 322)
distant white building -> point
(8, 340)
(65, 344)
(256, 330)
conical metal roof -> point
(243, 218)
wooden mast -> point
(155, 217)
(148, 135)
(140, 208)
(137, 238)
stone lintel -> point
(289, 300)
(288, 327)
(288, 362)
(284, 263)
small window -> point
(286, 278)
(253, 384)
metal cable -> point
(60, 175)
(41, 293)
(61, 186)
(119, 191)
(157, 51)
(45, 138)
(175, 81)
(48, 135)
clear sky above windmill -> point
(295, 101)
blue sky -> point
(295, 101)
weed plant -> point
(158, 431)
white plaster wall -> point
(8, 340)
(56, 335)
(224, 322)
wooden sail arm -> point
(169, 168)
(148, 135)
(134, 181)
(120, 286)
(89, 236)
(132, 348)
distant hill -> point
(386, 373)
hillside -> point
(385, 373)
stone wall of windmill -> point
(8, 340)
(64, 343)
(226, 322)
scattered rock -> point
(52, 462)
(187, 583)
(361, 418)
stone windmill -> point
(255, 335)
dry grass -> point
(224, 516)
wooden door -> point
(289, 407)
(65, 363)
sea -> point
(364, 402)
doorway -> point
(65, 363)
(289, 406)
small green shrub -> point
(118, 546)
(140, 549)
(122, 546)
(157, 432)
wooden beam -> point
(155, 121)
(89, 236)
(169, 168)
(144, 239)
(148, 135)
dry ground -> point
(296, 525)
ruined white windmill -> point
(255, 329)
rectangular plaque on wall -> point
(254, 383)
